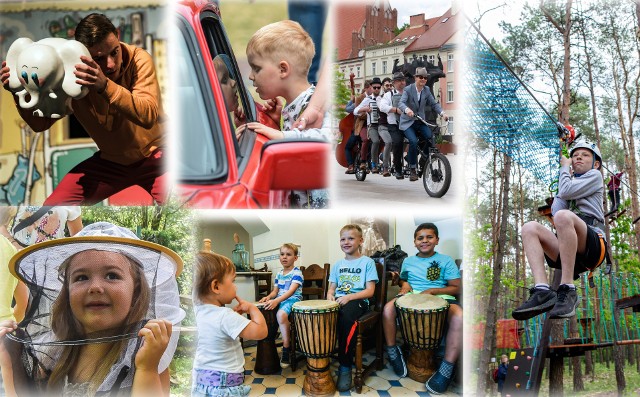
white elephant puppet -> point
(45, 70)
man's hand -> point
(4, 75)
(89, 74)
(565, 161)
(409, 112)
(262, 129)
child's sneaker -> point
(285, 361)
(397, 361)
(438, 383)
(566, 304)
(540, 300)
(344, 379)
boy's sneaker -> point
(344, 380)
(285, 361)
(398, 364)
(566, 304)
(438, 383)
(540, 301)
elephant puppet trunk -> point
(33, 100)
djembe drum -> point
(267, 361)
(422, 319)
(316, 327)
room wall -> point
(316, 234)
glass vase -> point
(240, 258)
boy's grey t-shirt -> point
(581, 194)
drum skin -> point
(316, 323)
(422, 319)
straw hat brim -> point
(51, 254)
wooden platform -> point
(630, 301)
(570, 350)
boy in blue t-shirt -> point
(351, 282)
(428, 273)
(286, 292)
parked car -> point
(215, 169)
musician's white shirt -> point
(367, 102)
(219, 347)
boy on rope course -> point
(578, 244)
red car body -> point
(253, 172)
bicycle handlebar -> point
(426, 122)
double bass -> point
(346, 127)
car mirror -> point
(288, 164)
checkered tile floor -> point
(287, 383)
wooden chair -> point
(263, 283)
(316, 283)
(370, 324)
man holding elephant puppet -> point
(122, 113)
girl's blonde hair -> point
(284, 41)
(66, 327)
(209, 266)
(292, 247)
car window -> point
(240, 106)
(200, 152)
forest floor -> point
(602, 384)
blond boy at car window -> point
(280, 55)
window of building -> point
(431, 59)
(450, 63)
(384, 67)
(358, 72)
(373, 68)
(449, 92)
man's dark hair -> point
(426, 225)
(93, 29)
(386, 79)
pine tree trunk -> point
(498, 257)
(588, 365)
(578, 384)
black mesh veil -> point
(100, 286)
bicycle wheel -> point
(436, 178)
(360, 174)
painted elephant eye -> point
(34, 77)
(25, 76)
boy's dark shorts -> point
(590, 259)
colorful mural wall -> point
(32, 164)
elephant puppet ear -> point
(70, 55)
(14, 52)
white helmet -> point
(587, 145)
